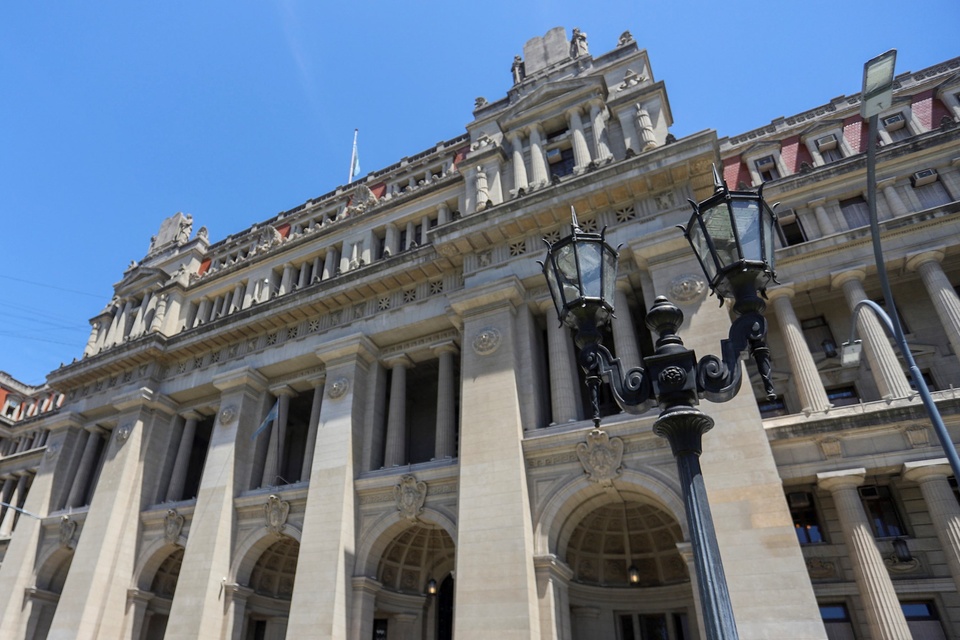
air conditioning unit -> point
(766, 162)
(826, 143)
(894, 122)
(869, 493)
(554, 156)
(786, 216)
(923, 177)
(798, 500)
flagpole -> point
(353, 156)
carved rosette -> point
(275, 514)
(338, 388)
(68, 527)
(687, 288)
(52, 450)
(172, 526)
(123, 433)
(487, 341)
(601, 457)
(227, 415)
(410, 496)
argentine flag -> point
(354, 159)
(271, 416)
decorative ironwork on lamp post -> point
(732, 235)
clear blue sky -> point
(115, 115)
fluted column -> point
(581, 152)
(553, 580)
(136, 618)
(443, 211)
(303, 278)
(272, 465)
(396, 446)
(823, 218)
(631, 140)
(932, 476)
(624, 334)
(519, 168)
(313, 428)
(538, 161)
(90, 347)
(645, 129)
(884, 616)
(286, 280)
(7, 493)
(941, 292)
(87, 462)
(412, 232)
(806, 376)
(446, 438)
(159, 314)
(236, 596)
(330, 263)
(391, 240)
(884, 365)
(203, 311)
(600, 133)
(179, 476)
(894, 201)
(6, 525)
(365, 592)
(564, 387)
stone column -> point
(894, 202)
(446, 438)
(179, 476)
(330, 263)
(313, 428)
(273, 463)
(695, 620)
(823, 218)
(932, 476)
(134, 619)
(391, 241)
(7, 493)
(553, 579)
(443, 211)
(884, 365)
(235, 619)
(328, 545)
(585, 621)
(600, 132)
(631, 140)
(365, 592)
(806, 376)
(90, 348)
(519, 168)
(941, 292)
(160, 314)
(18, 497)
(538, 161)
(564, 383)
(396, 445)
(648, 139)
(203, 312)
(286, 280)
(36, 602)
(581, 152)
(403, 626)
(884, 616)
(78, 489)
(303, 278)
(206, 559)
(482, 196)
(494, 519)
(624, 334)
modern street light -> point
(732, 235)
(878, 74)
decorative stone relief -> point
(601, 457)
(687, 288)
(820, 569)
(665, 201)
(895, 565)
(338, 388)
(68, 527)
(487, 341)
(917, 435)
(52, 450)
(227, 415)
(275, 514)
(625, 38)
(172, 526)
(123, 433)
(831, 448)
(410, 496)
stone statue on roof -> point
(578, 44)
(518, 70)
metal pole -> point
(893, 320)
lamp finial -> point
(718, 182)
(573, 216)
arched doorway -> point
(418, 560)
(271, 580)
(629, 578)
(45, 596)
(162, 587)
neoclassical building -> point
(360, 419)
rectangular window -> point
(791, 230)
(806, 523)
(927, 377)
(651, 626)
(881, 511)
(561, 162)
(932, 195)
(923, 621)
(819, 337)
(836, 619)
(855, 212)
(829, 148)
(882, 303)
(843, 396)
(772, 408)
(767, 168)
(896, 127)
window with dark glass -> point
(927, 378)
(836, 620)
(806, 523)
(922, 620)
(931, 194)
(881, 511)
(791, 230)
(882, 303)
(561, 161)
(855, 212)
(843, 396)
(653, 626)
(767, 168)
(818, 336)
(772, 408)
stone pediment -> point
(553, 96)
(140, 277)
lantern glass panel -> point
(746, 214)
(609, 274)
(720, 228)
(700, 247)
(768, 224)
(567, 276)
(590, 257)
(550, 273)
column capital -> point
(283, 390)
(785, 290)
(686, 551)
(447, 346)
(858, 273)
(144, 397)
(493, 295)
(397, 360)
(243, 377)
(237, 592)
(553, 566)
(817, 202)
(191, 414)
(345, 349)
(920, 258)
(847, 478)
(366, 584)
(138, 596)
(886, 182)
(922, 470)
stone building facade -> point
(360, 419)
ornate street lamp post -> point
(732, 235)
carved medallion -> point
(275, 514)
(487, 341)
(68, 527)
(831, 448)
(917, 435)
(338, 388)
(673, 376)
(52, 450)
(410, 496)
(227, 415)
(123, 432)
(821, 569)
(172, 526)
(601, 457)
(687, 288)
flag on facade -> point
(271, 416)
(354, 159)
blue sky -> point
(115, 115)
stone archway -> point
(42, 599)
(270, 585)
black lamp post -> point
(732, 235)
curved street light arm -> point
(631, 389)
(719, 377)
